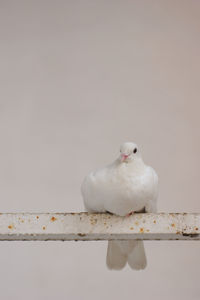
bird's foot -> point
(108, 212)
(130, 214)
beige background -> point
(77, 78)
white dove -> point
(123, 187)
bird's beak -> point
(123, 157)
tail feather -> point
(137, 257)
(115, 259)
(121, 252)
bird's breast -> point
(118, 191)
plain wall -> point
(78, 78)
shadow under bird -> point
(122, 188)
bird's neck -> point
(136, 166)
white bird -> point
(123, 187)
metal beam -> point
(97, 226)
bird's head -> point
(129, 152)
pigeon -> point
(124, 187)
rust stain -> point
(173, 225)
(196, 228)
(154, 221)
(10, 226)
(37, 217)
(136, 223)
(93, 221)
(105, 223)
(141, 229)
(147, 230)
(43, 227)
(131, 228)
(53, 219)
(81, 234)
(192, 235)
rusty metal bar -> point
(90, 226)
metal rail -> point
(98, 226)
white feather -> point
(121, 188)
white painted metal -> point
(86, 226)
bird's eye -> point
(135, 150)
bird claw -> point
(130, 214)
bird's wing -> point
(151, 205)
(92, 191)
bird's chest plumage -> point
(121, 190)
(124, 193)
